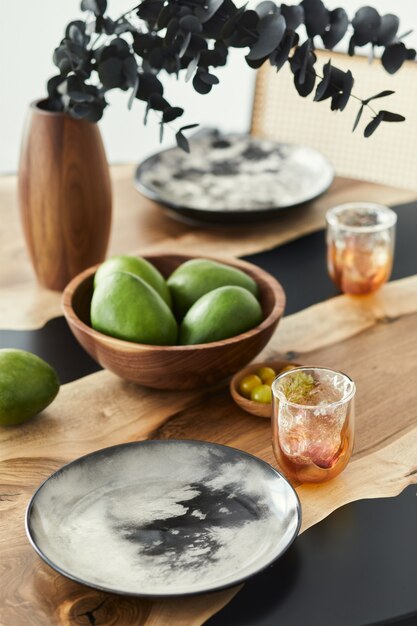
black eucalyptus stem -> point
(193, 37)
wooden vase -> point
(64, 194)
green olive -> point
(266, 374)
(262, 393)
(248, 383)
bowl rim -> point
(246, 403)
(273, 317)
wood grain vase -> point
(64, 194)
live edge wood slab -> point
(372, 338)
(140, 225)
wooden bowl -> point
(259, 409)
(173, 367)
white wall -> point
(30, 30)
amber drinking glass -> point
(313, 423)
(360, 246)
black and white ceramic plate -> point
(163, 518)
(234, 178)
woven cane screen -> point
(389, 156)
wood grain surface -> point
(64, 194)
(140, 225)
(373, 339)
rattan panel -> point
(389, 156)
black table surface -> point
(358, 567)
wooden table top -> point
(372, 338)
(140, 225)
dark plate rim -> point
(239, 581)
(151, 194)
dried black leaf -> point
(249, 21)
(340, 99)
(230, 25)
(143, 43)
(373, 125)
(196, 45)
(351, 47)
(97, 6)
(149, 11)
(366, 24)
(305, 87)
(206, 10)
(167, 12)
(212, 57)
(79, 111)
(189, 126)
(393, 57)
(148, 84)
(303, 60)
(106, 25)
(190, 24)
(145, 118)
(182, 141)
(294, 15)
(53, 84)
(89, 111)
(192, 67)
(171, 31)
(381, 94)
(133, 93)
(358, 117)
(184, 45)
(315, 17)
(323, 86)
(388, 116)
(200, 86)
(206, 77)
(80, 96)
(70, 56)
(266, 7)
(280, 55)
(271, 29)
(256, 64)
(118, 48)
(162, 58)
(157, 102)
(130, 70)
(336, 30)
(110, 72)
(76, 32)
(171, 113)
(387, 30)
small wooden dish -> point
(173, 367)
(259, 409)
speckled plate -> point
(233, 178)
(163, 518)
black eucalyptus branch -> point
(193, 37)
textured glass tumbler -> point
(360, 246)
(312, 423)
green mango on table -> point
(27, 386)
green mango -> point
(126, 307)
(139, 267)
(27, 386)
(220, 314)
(196, 277)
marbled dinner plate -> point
(233, 178)
(163, 518)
